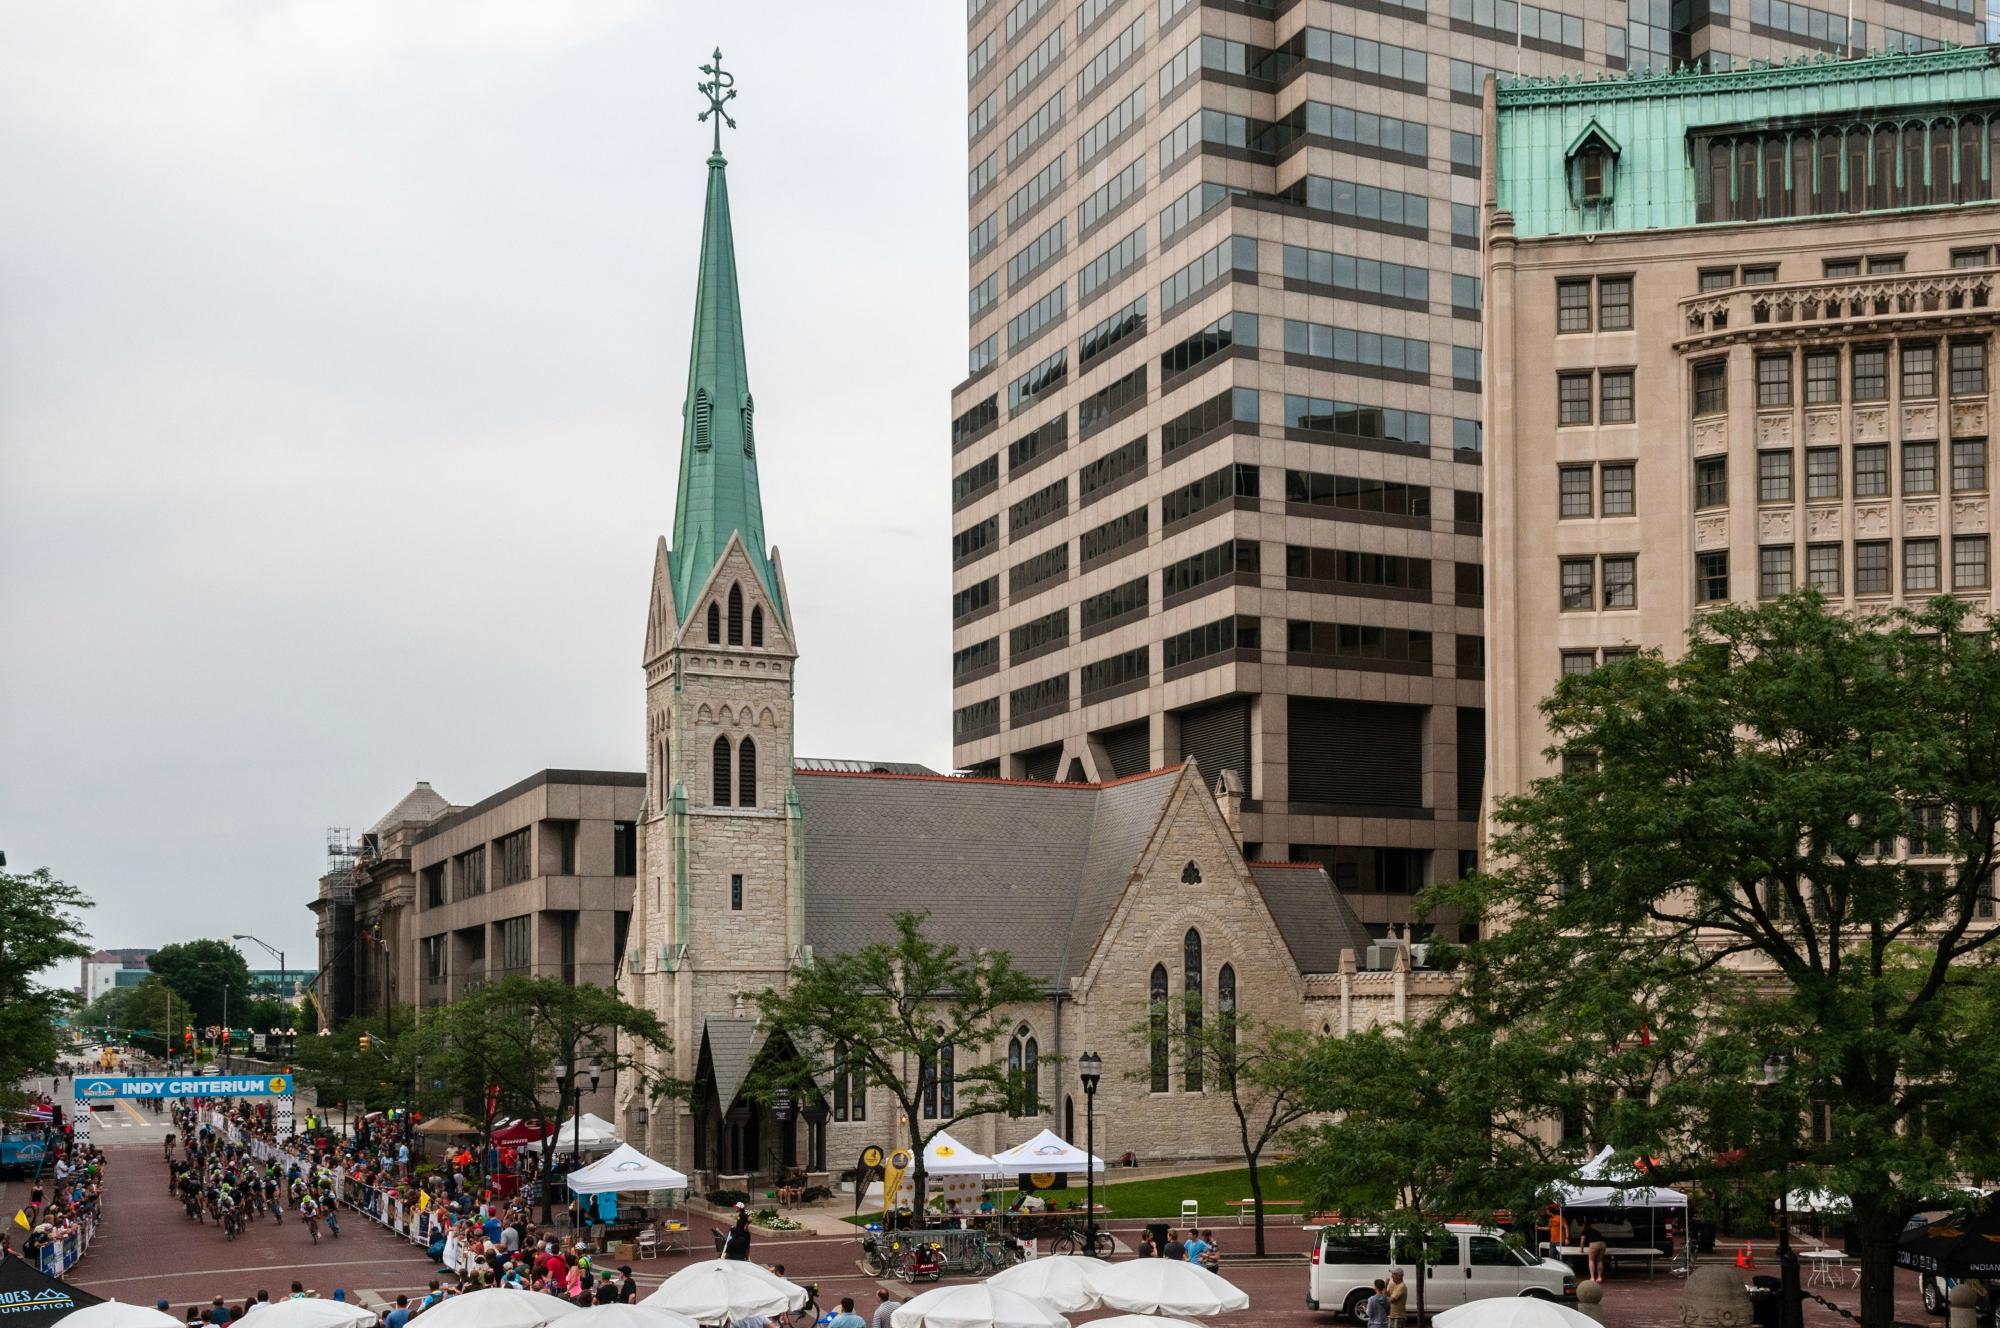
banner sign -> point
(111, 1088)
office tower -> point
(1215, 468)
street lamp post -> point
(569, 1082)
(1791, 1296)
(1091, 1067)
(271, 949)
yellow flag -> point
(21, 1219)
(424, 1201)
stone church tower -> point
(719, 910)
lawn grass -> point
(1161, 1198)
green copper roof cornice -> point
(718, 493)
(1654, 117)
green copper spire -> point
(718, 483)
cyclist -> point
(309, 1213)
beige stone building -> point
(1111, 893)
(1215, 466)
(1738, 341)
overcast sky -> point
(342, 347)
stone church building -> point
(751, 861)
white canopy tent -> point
(946, 1156)
(625, 1169)
(1619, 1196)
(596, 1136)
(1046, 1152)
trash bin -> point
(1765, 1305)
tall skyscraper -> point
(1216, 466)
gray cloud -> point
(341, 354)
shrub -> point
(728, 1198)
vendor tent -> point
(597, 1135)
(1618, 1196)
(624, 1170)
(31, 1297)
(946, 1156)
(1046, 1152)
(447, 1125)
(520, 1132)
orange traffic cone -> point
(1744, 1259)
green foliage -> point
(199, 971)
(1263, 1068)
(339, 1071)
(40, 926)
(886, 1011)
(511, 1034)
(1714, 884)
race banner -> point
(112, 1088)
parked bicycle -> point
(1071, 1238)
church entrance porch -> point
(743, 1141)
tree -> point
(1708, 927)
(916, 1017)
(540, 1023)
(40, 926)
(200, 972)
(1427, 1129)
(1264, 1068)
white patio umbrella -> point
(304, 1313)
(1057, 1281)
(1137, 1321)
(628, 1316)
(1512, 1312)
(115, 1314)
(717, 1289)
(497, 1307)
(1165, 1286)
(975, 1305)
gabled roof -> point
(1315, 919)
(731, 1044)
(1034, 868)
(421, 805)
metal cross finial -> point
(720, 89)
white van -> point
(1477, 1263)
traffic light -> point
(365, 1043)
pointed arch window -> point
(1157, 1020)
(1031, 1079)
(736, 615)
(1225, 1010)
(1014, 1052)
(757, 625)
(1191, 1057)
(721, 789)
(714, 623)
(701, 412)
(746, 773)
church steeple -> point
(718, 493)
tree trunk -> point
(1422, 1270)
(1879, 1227)
(1257, 1202)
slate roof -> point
(732, 1045)
(1315, 919)
(1030, 866)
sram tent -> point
(1046, 1152)
(624, 1170)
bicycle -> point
(807, 1314)
(1073, 1239)
(312, 1227)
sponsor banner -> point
(110, 1088)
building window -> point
(1573, 398)
(1716, 278)
(1191, 1058)
(1871, 568)
(1920, 564)
(1870, 373)
(1573, 306)
(1968, 368)
(1968, 562)
(1573, 491)
(1919, 370)
(1823, 568)
(1822, 377)
(1822, 472)
(757, 625)
(1225, 1010)
(514, 942)
(1774, 571)
(1968, 464)
(1156, 993)
(1711, 388)
(1774, 380)
(736, 615)
(746, 773)
(1617, 489)
(1711, 577)
(1711, 482)
(434, 959)
(1614, 304)
(512, 850)
(434, 886)
(1621, 582)
(1576, 663)
(714, 623)
(720, 789)
(1614, 391)
(1578, 584)
(1871, 471)
(1920, 468)
(1774, 477)
(736, 893)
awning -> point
(522, 1132)
(1047, 1151)
(625, 1169)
